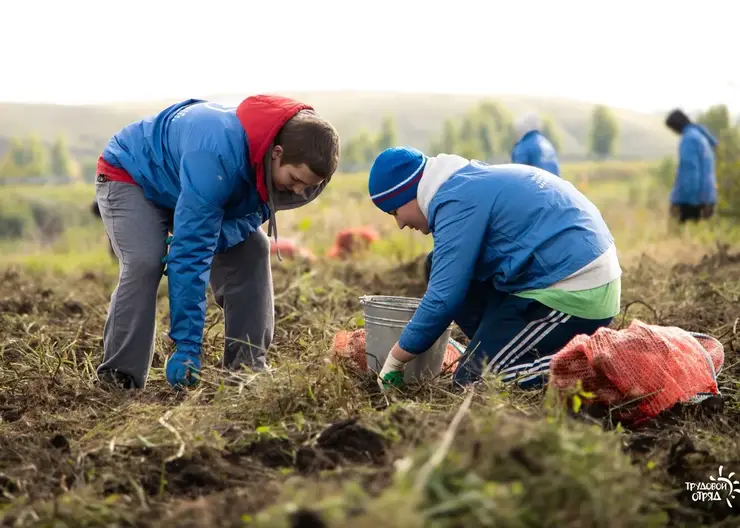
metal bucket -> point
(385, 319)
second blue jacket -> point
(695, 182)
(536, 150)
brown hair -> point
(307, 138)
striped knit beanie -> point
(395, 176)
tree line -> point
(485, 132)
(29, 157)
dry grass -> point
(264, 452)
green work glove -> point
(167, 241)
(391, 375)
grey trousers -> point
(241, 279)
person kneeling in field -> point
(522, 262)
(212, 175)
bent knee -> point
(143, 265)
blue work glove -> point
(167, 241)
(183, 369)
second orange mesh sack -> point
(351, 241)
(350, 347)
(653, 366)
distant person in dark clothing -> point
(694, 192)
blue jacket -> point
(536, 150)
(695, 181)
(524, 229)
(206, 163)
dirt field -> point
(312, 444)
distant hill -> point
(419, 118)
(87, 128)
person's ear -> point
(277, 152)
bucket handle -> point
(365, 299)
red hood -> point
(262, 117)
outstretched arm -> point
(205, 188)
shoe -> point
(115, 380)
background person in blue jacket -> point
(211, 175)
(522, 262)
(532, 147)
(694, 192)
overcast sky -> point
(645, 55)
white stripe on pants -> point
(526, 339)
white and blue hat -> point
(395, 176)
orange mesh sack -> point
(349, 347)
(453, 353)
(351, 241)
(653, 366)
